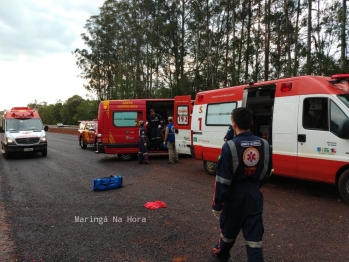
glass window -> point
(315, 113)
(344, 99)
(337, 116)
(219, 114)
(182, 115)
(123, 119)
(23, 124)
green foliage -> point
(70, 112)
(163, 48)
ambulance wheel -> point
(6, 154)
(343, 185)
(126, 157)
(44, 152)
(82, 143)
(210, 167)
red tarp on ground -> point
(155, 204)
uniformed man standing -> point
(155, 120)
(170, 139)
(238, 202)
(142, 144)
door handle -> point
(302, 138)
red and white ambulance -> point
(118, 124)
(22, 132)
(309, 116)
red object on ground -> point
(155, 204)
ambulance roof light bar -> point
(19, 112)
(340, 76)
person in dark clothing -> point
(230, 133)
(142, 144)
(238, 202)
(155, 120)
(308, 120)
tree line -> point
(69, 112)
(163, 48)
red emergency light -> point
(340, 76)
(286, 87)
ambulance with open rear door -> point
(305, 118)
(118, 124)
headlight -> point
(10, 140)
(43, 139)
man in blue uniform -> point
(238, 202)
(155, 120)
(171, 142)
(142, 144)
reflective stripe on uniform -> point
(253, 244)
(227, 240)
(234, 154)
(266, 158)
(223, 181)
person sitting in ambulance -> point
(308, 120)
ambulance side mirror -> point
(1, 130)
(343, 129)
(46, 128)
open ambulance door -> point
(182, 123)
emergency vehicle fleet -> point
(22, 132)
(118, 124)
(309, 125)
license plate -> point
(28, 149)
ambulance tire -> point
(126, 157)
(343, 185)
(210, 167)
(6, 154)
(82, 143)
(44, 153)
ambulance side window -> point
(219, 114)
(315, 113)
(125, 119)
(337, 116)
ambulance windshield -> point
(16, 125)
(344, 99)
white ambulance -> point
(305, 118)
(22, 132)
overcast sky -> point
(37, 38)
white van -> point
(22, 132)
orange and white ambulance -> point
(118, 124)
(305, 119)
(22, 132)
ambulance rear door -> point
(182, 122)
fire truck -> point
(118, 124)
(305, 119)
(22, 132)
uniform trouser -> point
(172, 152)
(142, 152)
(156, 137)
(245, 216)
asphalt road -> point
(44, 200)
